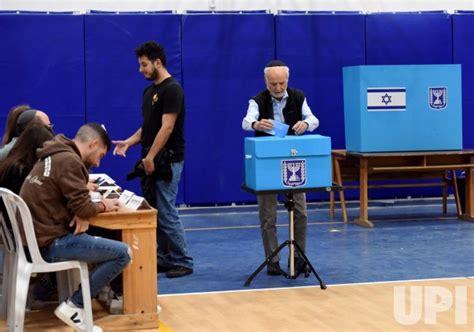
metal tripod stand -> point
(292, 244)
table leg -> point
(363, 219)
(337, 170)
(331, 194)
(469, 213)
(456, 194)
(445, 192)
(139, 285)
(140, 276)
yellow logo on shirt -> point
(154, 99)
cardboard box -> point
(403, 108)
(274, 163)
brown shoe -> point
(163, 268)
(301, 267)
(178, 271)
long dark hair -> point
(23, 154)
(10, 126)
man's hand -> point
(149, 165)
(300, 127)
(82, 225)
(92, 186)
(121, 148)
(262, 125)
(110, 204)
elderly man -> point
(287, 105)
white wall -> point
(272, 5)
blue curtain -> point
(223, 60)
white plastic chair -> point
(21, 269)
(8, 248)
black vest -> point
(292, 111)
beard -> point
(153, 76)
(88, 165)
(278, 96)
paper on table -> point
(101, 178)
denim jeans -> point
(170, 233)
(109, 256)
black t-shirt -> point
(166, 97)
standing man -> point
(57, 196)
(162, 139)
(281, 103)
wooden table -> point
(401, 165)
(138, 230)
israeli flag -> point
(386, 99)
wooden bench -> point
(401, 166)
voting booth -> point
(403, 108)
(273, 163)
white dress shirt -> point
(278, 106)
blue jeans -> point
(110, 257)
(170, 233)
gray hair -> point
(266, 69)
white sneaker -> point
(111, 300)
(116, 305)
(105, 295)
(73, 316)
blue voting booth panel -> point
(406, 39)
(403, 108)
(463, 49)
(223, 60)
(42, 64)
(114, 86)
(274, 163)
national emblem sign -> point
(293, 172)
(438, 98)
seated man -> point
(57, 195)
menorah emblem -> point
(293, 172)
(293, 168)
(438, 97)
(437, 94)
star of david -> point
(386, 99)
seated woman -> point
(11, 133)
(15, 168)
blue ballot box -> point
(403, 108)
(273, 163)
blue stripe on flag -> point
(386, 90)
(386, 107)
